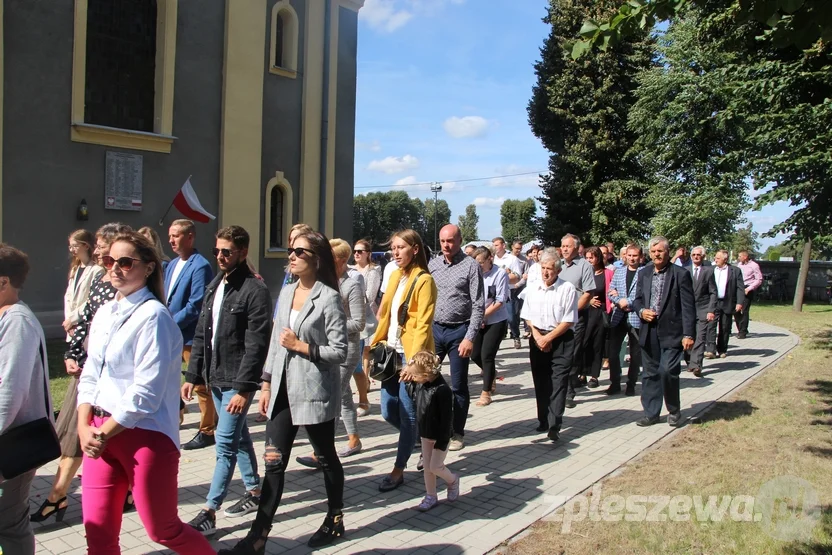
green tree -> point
(517, 219)
(698, 188)
(468, 223)
(377, 215)
(579, 110)
(745, 239)
(427, 229)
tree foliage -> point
(468, 223)
(787, 22)
(517, 219)
(745, 239)
(377, 215)
(579, 112)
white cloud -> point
(394, 164)
(514, 180)
(384, 15)
(405, 182)
(374, 146)
(487, 202)
(466, 127)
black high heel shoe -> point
(129, 503)
(330, 530)
(248, 545)
(57, 510)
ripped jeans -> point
(280, 435)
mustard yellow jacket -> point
(418, 330)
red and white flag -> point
(187, 202)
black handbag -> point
(386, 360)
(30, 445)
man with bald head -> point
(457, 319)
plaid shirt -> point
(656, 290)
(461, 299)
(619, 284)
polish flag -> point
(187, 202)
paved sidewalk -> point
(506, 467)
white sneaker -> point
(361, 411)
(428, 503)
(457, 443)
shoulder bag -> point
(30, 445)
(386, 360)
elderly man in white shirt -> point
(550, 311)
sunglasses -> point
(298, 251)
(125, 263)
(226, 253)
(358, 251)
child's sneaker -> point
(453, 490)
(428, 502)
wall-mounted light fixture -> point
(83, 213)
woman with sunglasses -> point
(362, 254)
(416, 335)
(82, 272)
(101, 292)
(301, 387)
(128, 407)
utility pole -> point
(435, 188)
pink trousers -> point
(434, 463)
(150, 462)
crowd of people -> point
(136, 320)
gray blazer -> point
(313, 388)
(352, 295)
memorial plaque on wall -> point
(123, 181)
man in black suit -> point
(704, 295)
(730, 291)
(664, 302)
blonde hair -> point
(425, 363)
(86, 238)
(154, 238)
(186, 226)
(298, 230)
(340, 248)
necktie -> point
(696, 274)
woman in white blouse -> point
(82, 272)
(128, 407)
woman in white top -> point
(494, 322)
(24, 385)
(82, 272)
(362, 254)
(128, 407)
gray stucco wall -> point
(45, 175)
(282, 124)
(345, 122)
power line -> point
(409, 185)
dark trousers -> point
(447, 339)
(485, 350)
(720, 331)
(696, 356)
(617, 335)
(742, 318)
(514, 313)
(578, 330)
(280, 435)
(550, 374)
(592, 351)
(660, 378)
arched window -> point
(278, 216)
(284, 40)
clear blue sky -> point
(442, 92)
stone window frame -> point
(278, 181)
(288, 66)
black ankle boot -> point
(248, 545)
(330, 530)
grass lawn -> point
(780, 425)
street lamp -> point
(435, 188)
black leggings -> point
(280, 435)
(486, 345)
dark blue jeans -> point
(514, 308)
(447, 339)
(398, 409)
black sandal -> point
(129, 503)
(57, 510)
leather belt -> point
(99, 412)
(452, 325)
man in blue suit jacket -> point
(624, 322)
(665, 303)
(185, 281)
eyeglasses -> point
(358, 251)
(224, 252)
(125, 263)
(298, 251)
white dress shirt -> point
(546, 307)
(535, 278)
(134, 364)
(178, 266)
(721, 275)
(393, 330)
(388, 271)
(216, 309)
(511, 262)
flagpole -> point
(162, 219)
